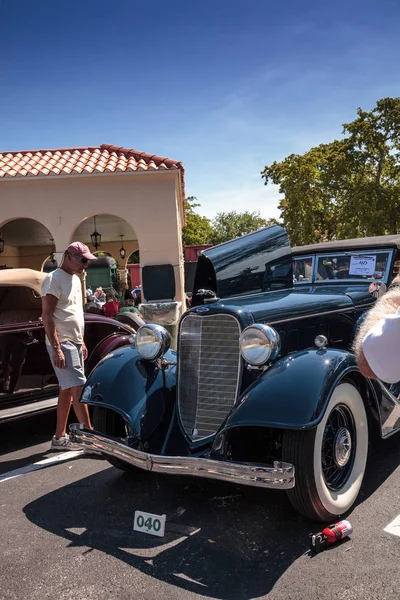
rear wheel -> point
(108, 422)
(330, 459)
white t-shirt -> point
(68, 314)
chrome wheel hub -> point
(342, 447)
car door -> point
(20, 361)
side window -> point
(303, 268)
(353, 266)
(332, 268)
(396, 267)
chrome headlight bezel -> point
(266, 349)
(158, 341)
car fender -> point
(104, 347)
(294, 392)
(130, 385)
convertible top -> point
(22, 277)
(381, 241)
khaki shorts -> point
(73, 374)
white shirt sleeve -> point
(381, 347)
(51, 286)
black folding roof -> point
(381, 241)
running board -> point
(25, 410)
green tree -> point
(229, 225)
(347, 188)
(134, 258)
(197, 230)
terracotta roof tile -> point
(92, 159)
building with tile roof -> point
(49, 198)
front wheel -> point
(330, 459)
(106, 421)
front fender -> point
(131, 386)
(293, 392)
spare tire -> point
(131, 319)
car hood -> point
(252, 263)
(281, 305)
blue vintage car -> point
(263, 389)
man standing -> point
(62, 313)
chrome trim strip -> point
(279, 476)
(319, 314)
(22, 410)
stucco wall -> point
(149, 202)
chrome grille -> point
(208, 372)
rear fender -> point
(294, 392)
(132, 387)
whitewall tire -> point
(329, 460)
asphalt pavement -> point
(66, 532)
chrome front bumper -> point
(280, 476)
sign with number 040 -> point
(149, 523)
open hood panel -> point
(257, 262)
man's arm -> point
(49, 303)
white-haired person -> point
(377, 342)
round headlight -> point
(152, 341)
(259, 344)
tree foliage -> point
(229, 225)
(224, 227)
(198, 229)
(347, 188)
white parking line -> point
(394, 527)
(41, 464)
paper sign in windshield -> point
(362, 265)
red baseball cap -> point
(81, 250)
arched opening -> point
(114, 242)
(27, 243)
(102, 273)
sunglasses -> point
(81, 259)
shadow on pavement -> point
(221, 540)
(383, 460)
(26, 432)
(18, 463)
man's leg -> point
(81, 410)
(63, 408)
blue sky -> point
(224, 86)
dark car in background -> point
(263, 389)
(28, 384)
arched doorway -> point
(117, 239)
(27, 243)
